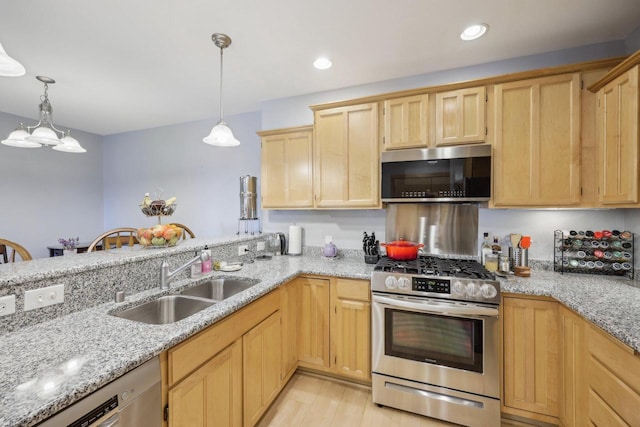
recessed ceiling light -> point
(322, 63)
(474, 31)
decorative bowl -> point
(159, 236)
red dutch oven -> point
(402, 250)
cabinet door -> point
(613, 381)
(572, 356)
(287, 178)
(262, 363)
(536, 159)
(212, 395)
(530, 356)
(351, 328)
(618, 139)
(313, 327)
(289, 309)
(346, 157)
(405, 122)
(460, 116)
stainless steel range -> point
(436, 339)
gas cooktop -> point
(436, 266)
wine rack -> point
(594, 252)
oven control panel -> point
(431, 284)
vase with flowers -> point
(69, 246)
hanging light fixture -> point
(221, 135)
(9, 67)
(44, 132)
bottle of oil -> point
(485, 249)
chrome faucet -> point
(167, 276)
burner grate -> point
(435, 266)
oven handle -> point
(473, 310)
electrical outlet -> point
(43, 297)
(242, 249)
(7, 305)
(260, 246)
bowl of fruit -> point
(158, 207)
(159, 236)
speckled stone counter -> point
(47, 366)
(612, 303)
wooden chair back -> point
(9, 250)
(186, 231)
(118, 237)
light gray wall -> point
(48, 194)
(346, 227)
(632, 42)
(205, 179)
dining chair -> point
(187, 233)
(9, 249)
(116, 238)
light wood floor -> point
(309, 400)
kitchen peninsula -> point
(107, 347)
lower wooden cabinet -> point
(531, 345)
(572, 372)
(313, 326)
(351, 328)
(613, 381)
(261, 368)
(212, 395)
(290, 313)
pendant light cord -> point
(221, 104)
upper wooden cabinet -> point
(346, 157)
(460, 116)
(287, 172)
(618, 140)
(536, 159)
(406, 122)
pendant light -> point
(9, 67)
(221, 135)
(44, 132)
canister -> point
(248, 197)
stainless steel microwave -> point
(442, 174)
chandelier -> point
(221, 135)
(44, 132)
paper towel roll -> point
(295, 240)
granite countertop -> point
(47, 366)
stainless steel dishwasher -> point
(132, 400)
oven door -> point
(447, 344)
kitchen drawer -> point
(353, 289)
(195, 351)
(614, 379)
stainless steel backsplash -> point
(443, 228)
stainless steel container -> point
(248, 197)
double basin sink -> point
(172, 308)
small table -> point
(56, 250)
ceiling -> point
(123, 65)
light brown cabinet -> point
(531, 365)
(406, 122)
(261, 368)
(290, 313)
(313, 325)
(351, 328)
(287, 168)
(613, 376)
(536, 157)
(618, 140)
(212, 395)
(460, 116)
(572, 373)
(346, 157)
